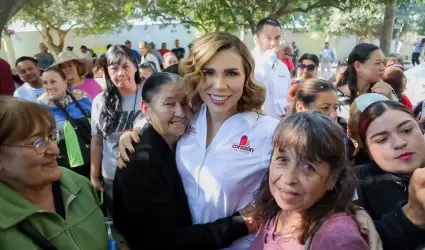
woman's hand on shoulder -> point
(126, 143)
(367, 228)
(248, 215)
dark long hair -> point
(112, 97)
(360, 53)
(374, 111)
(317, 139)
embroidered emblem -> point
(243, 145)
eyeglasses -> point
(40, 145)
(310, 67)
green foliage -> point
(364, 21)
(228, 15)
(205, 15)
(410, 20)
(90, 16)
(86, 16)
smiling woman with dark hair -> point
(304, 200)
(72, 110)
(307, 66)
(113, 112)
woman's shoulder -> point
(99, 99)
(76, 183)
(367, 170)
(79, 94)
(44, 100)
(339, 230)
(70, 176)
(261, 121)
(148, 147)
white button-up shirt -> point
(273, 74)
(222, 178)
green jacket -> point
(84, 228)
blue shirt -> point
(137, 55)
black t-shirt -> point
(179, 52)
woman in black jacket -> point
(150, 205)
(392, 188)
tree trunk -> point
(388, 27)
(251, 23)
(48, 39)
(242, 33)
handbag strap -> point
(29, 230)
(77, 103)
(73, 122)
(307, 244)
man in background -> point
(30, 74)
(86, 52)
(156, 53)
(135, 53)
(44, 58)
(178, 51)
(327, 57)
(271, 72)
(417, 51)
(7, 86)
(163, 49)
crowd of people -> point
(224, 149)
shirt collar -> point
(250, 117)
(16, 208)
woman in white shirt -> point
(147, 55)
(227, 146)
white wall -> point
(26, 43)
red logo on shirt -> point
(243, 145)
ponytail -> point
(307, 91)
(292, 93)
(349, 77)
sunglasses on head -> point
(310, 67)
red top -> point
(288, 62)
(405, 101)
(7, 86)
(163, 51)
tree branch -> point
(284, 10)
